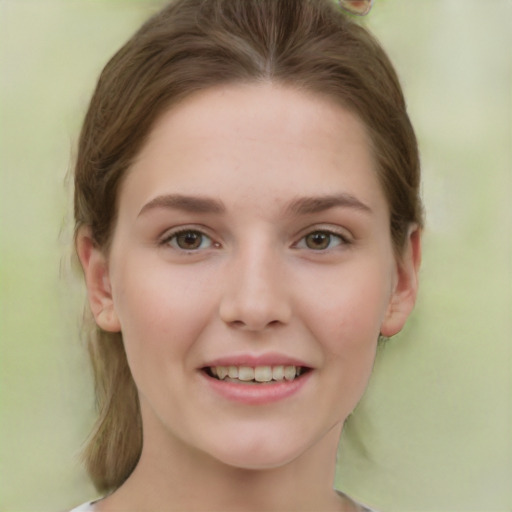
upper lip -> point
(254, 360)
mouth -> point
(256, 374)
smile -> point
(256, 385)
(257, 374)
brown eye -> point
(321, 241)
(189, 240)
(318, 240)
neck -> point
(195, 481)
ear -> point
(406, 285)
(97, 280)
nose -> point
(255, 291)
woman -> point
(248, 221)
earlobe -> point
(406, 288)
(97, 280)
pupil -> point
(318, 241)
(189, 240)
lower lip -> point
(257, 394)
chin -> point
(261, 463)
(258, 455)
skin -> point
(266, 277)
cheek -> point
(159, 311)
(348, 320)
(349, 334)
(347, 314)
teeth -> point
(258, 373)
(245, 373)
(290, 372)
(278, 372)
(263, 374)
(222, 372)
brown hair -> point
(193, 45)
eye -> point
(188, 240)
(321, 240)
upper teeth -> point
(258, 373)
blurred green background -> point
(434, 432)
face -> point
(251, 271)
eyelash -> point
(171, 239)
(342, 240)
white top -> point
(88, 507)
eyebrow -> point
(300, 206)
(309, 205)
(192, 204)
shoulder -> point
(357, 506)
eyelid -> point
(341, 233)
(327, 228)
(169, 234)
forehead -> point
(255, 139)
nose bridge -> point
(256, 293)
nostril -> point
(254, 307)
(254, 326)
